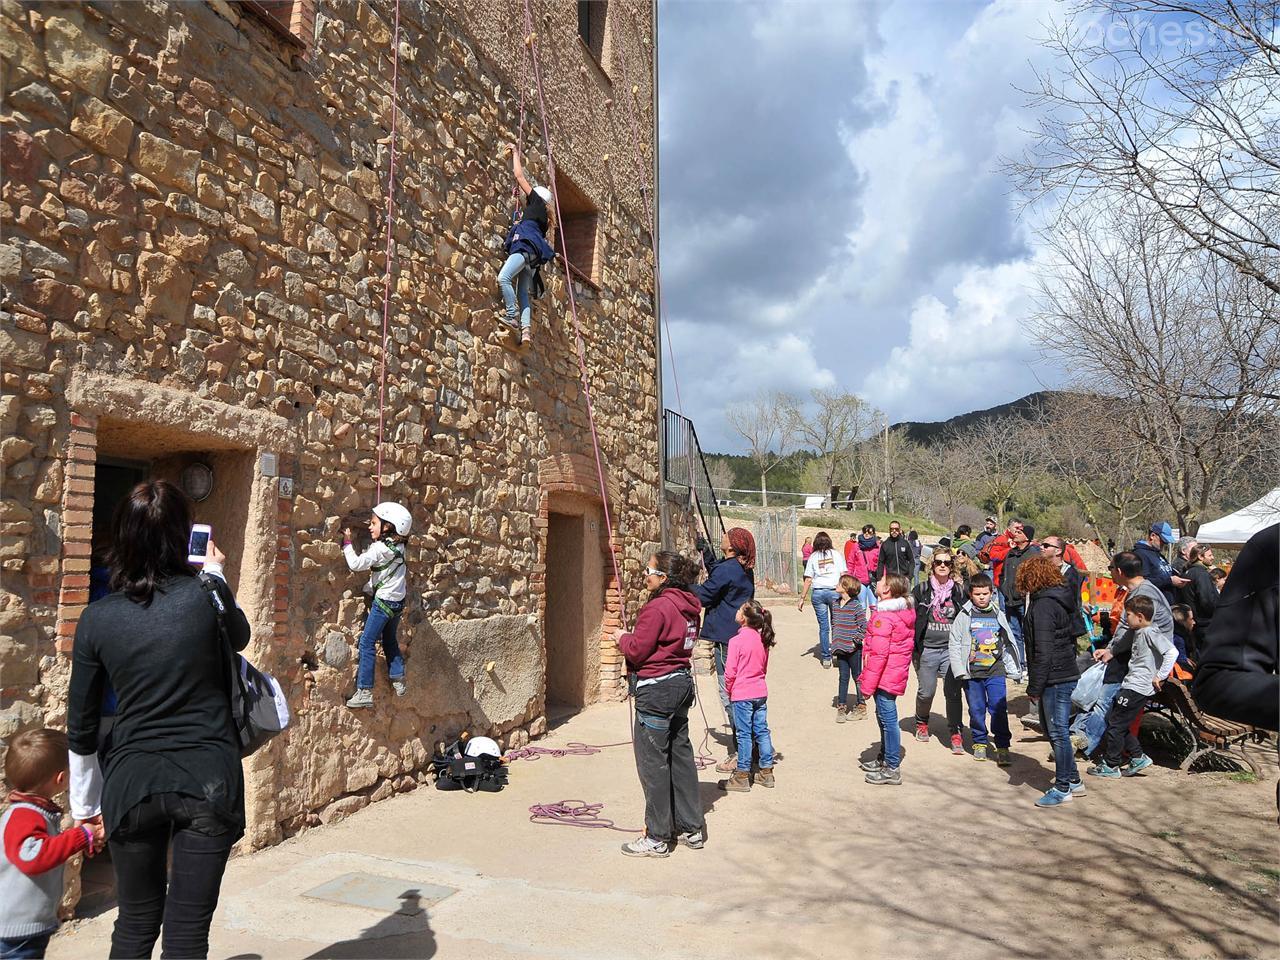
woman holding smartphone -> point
(172, 798)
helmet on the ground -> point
(396, 515)
(544, 193)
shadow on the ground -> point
(388, 937)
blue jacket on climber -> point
(525, 236)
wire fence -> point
(778, 551)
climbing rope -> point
(568, 750)
(391, 194)
(576, 813)
(573, 309)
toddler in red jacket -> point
(35, 849)
(886, 664)
(745, 666)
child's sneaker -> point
(400, 687)
(869, 765)
(957, 745)
(885, 776)
(1002, 757)
(922, 732)
(842, 713)
(694, 839)
(1078, 788)
(826, 663)
(979, 751)
(646, 846)
(728, 764)
(1103, 770)
(860, 712)
(1054, 798)
(362, 698)
(1136, 765)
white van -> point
(815, 503)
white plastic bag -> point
(1089, 690)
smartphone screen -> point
(199, 545)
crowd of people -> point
(972, 614)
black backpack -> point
(454, 770)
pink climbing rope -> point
(577, 325)
(576, 813)
(568, 750)
(391, 194)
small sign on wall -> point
(267, 463)
(286, 487)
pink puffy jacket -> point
(887, 649)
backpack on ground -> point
(470, 764)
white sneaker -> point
(362, 698)
(646, 846)
(400, 687)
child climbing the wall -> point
(746, 664)
(529, 245)
(389, 527)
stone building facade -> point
(194, 251)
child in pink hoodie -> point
(886, 664)
(746, 663)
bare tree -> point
(721, 475)
(937, 480)
(764, 422)
(1183, 120)
(1107, 470)
(832, 425)
(999, 453)
(1183, 346)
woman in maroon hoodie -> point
(658, 651)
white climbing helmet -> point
(544, 193)
(396, 515)
(478, 746)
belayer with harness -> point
(389, 526)
(528, 246)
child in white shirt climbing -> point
(389, 526)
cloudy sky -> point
(833, 209)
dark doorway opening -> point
(566, 620)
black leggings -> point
(184, 899)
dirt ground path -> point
(955, 863)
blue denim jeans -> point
(1014, 614)
(379, 627)
(1057, 711)
(849, 666)
(824, 600)
(751, 724)
(890, 735)
(1093, 724)
(514, 279)
(988, 696)
(22, 948)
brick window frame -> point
(593, 33)
(294, 21)
(578, 237)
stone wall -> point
(193, 262)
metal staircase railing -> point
(685, 468)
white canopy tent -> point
(1236, 528)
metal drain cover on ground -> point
(388, 894)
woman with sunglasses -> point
(658, 650)
(938, 599)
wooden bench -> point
(1207, 734)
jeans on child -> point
(890, 735)
(514, 279)
(380, 626)
(751, 724)
(1092, 725)
(988, 696)
(24, 948)
(849, 665)
(824, 600)
(1056, 699)
(1014, 614)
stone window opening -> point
(578, 235)
(592, 31)
(294, 21)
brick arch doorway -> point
(579, 602)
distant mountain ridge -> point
(927, 434)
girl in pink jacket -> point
(746, 663)
(886, 664)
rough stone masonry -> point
(194, 207)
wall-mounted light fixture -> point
(197, 480)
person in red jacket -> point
(886, 664)
(658, 652)
(997, 549)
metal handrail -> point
(685, 466)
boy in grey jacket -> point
(1152, 659)
(981, 644)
